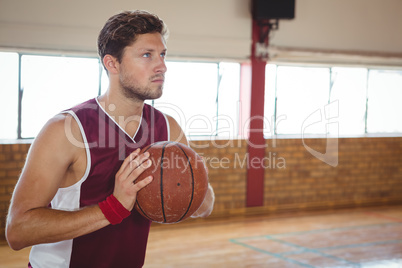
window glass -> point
(269, 104)
(189, 96)
(349, 89)
(302, 94)
(204, 97)
(104, 81)
(8, 95)
(228, 100)
(52, 84)
(384, 101)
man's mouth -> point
(158, 79)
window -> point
(309, 100)
(270, 100)
(204, 96)
(104, 80)
(200, 96)
(384, 112)
(8, 95)
(52, 84)
(349, 86)
(301, 91)
(227, 124)
(189, 95)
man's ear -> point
(111, 64)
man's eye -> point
(163, 54)
(146, 55)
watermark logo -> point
(325, 118)
(331, 112)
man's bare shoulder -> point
(61, 134)
(58, 122)
(176, 132)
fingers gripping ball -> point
(179, 186)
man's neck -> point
(125, 111)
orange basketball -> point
(179, 186)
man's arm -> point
(48, 167)
(177, 135)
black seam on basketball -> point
(161, 182)
(153, 144)
(192, 182)
(145, 214)
(138, 203)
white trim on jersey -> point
(122, 129)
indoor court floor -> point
(365, 237)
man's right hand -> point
(125, 189)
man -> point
(75, 197)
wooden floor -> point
(368, 238)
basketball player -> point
(75, 197)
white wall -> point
(207, 28)
(367, 25)
(341, 31)
(204, 28)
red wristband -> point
(113, 210)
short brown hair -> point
(121, 30)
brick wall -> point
(352, 172)
(368, 171)
(12, 158)
(227, 173)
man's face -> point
(142, 68)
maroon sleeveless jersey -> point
(107, 145)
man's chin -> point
(155, 96)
